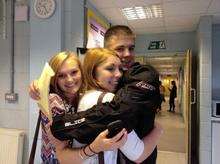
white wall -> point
(204, 40)
(216, 61)
(73, 24)
(15, 115)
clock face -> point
(44, 8)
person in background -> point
(173, 95)
(65, 88)
(162, 96)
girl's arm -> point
(33, 90)
(78, 155)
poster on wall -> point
(96, 28)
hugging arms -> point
(65, 84)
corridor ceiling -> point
(179, 15)
(166, 65)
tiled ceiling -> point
(179, 15)
(170, 64)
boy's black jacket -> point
(134, 103)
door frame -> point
(193, 123)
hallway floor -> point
(166, 157)
(171, 148)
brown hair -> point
(94, 57)
(56, 62)
(115, 31)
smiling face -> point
(108, 73)
(124, 47)
(69, 77)
(121, 39)
(102, 69)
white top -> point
(133, 147)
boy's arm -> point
(150, 142)
(134, 148)
(110, 111)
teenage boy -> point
(122, 39)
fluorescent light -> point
(139, 12)
(149, 12)
(157, 10)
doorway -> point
(176, 145)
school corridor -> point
(171, 148)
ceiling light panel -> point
(139, 12)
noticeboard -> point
(96, 28)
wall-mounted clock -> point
(44, 8)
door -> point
(191, 110)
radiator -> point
(11, 146)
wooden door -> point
(192, 131)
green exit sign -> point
(156, 45)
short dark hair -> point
(116, 31)
(173, 82)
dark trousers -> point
(162, 99)
(122, 159)
(172, 104)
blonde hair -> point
(56, 62)
(93, 58)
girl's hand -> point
(34, 92)
(102, 143)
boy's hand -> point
(59, 145)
